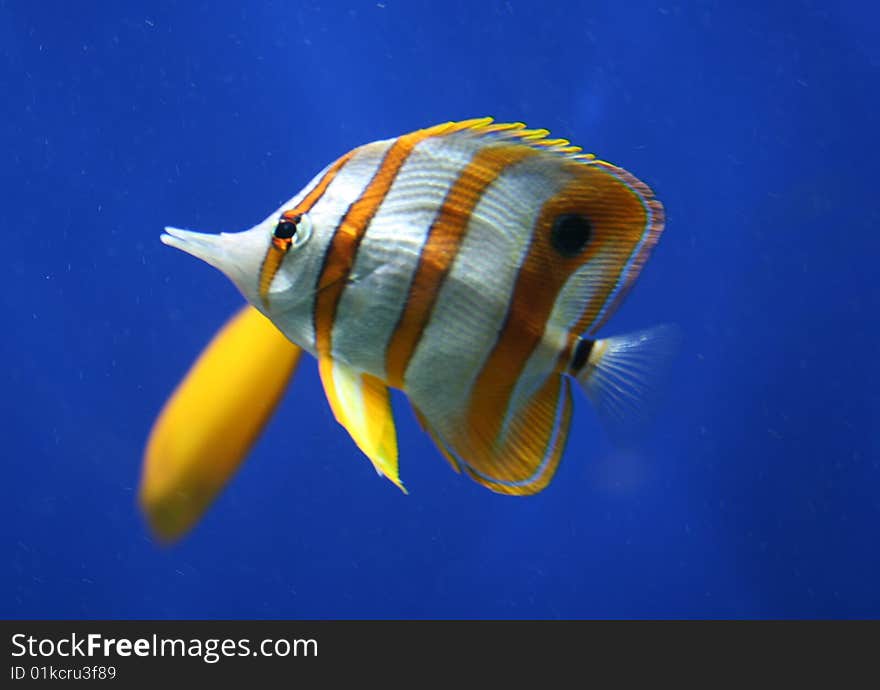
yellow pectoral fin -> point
(212, 419)
(362, 404)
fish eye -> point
(571, 233)
(286, 227)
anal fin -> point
(523, 459)
(438, 441)
(362, 404)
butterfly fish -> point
(469, 265)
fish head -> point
(264, 262)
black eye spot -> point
(286, 227)
(571, 233)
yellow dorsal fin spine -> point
(518, 132)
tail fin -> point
(622, 376)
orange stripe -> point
(527, 461)
(590, 314)
(653, 234)
(440, 249)
(618, 220)
(276, 253)
(342, 249)
(274, 256)
(312, 198)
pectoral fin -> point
(362, 404)
(212, 419)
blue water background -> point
(757, 492)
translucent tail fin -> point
(623, 375)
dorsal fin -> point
(623, 222)
(514, 132)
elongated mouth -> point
(241, 257)
(209, 248)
